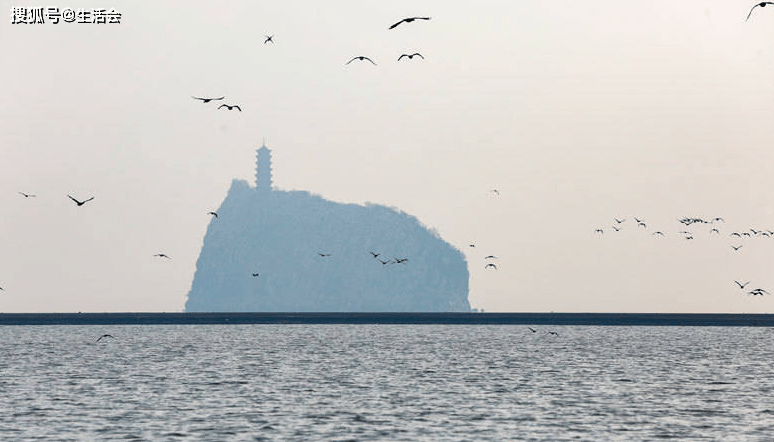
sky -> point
(576, 112)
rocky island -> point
(291, 251)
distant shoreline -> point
(587, 319)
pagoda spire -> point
(263, 168)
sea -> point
(385, 382)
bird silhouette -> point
(495, 191)
(741, 286)
(411, 56)
(758, 292)
(80, 203)
(375, 254)
(383, 262)
(599, 231)
(27, 195)
(735, 234)
(472, 245)
(324, 254)
(716, 231)
(269, 38)
(105, 336)
(658, 233)
(255, 274)
(491, 257)
(230, 107)
(641, 224)
(400, 260)
(213, 214)
(2, 289)
(737, 247)
(408, 20)
(206, 100)
(161, 255)
(490, 266)
(553, 333)
(761, 4)
(532, 329)
(615, 228)
(619, 221)
(638, 220)
(361, 58)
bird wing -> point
(238, 108)
(223, 105)
(86, 201)
(417, 53)
(396, 24)
(198, 98)
(404, 55)
(350, 61)
(366, 58)
(76, 201)
(751, 10)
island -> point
(270, 250)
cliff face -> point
(280, 235)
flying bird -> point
(619, 221)
(400, 260)
(161, 255)
(80, 203)
(269, 38)
(213, 214)
(105, 336)
(206, 100)
(741, 286)
(735, 234)
(641, 224)
(599, 231)
(615, 228)
(553, 333)
(472, 245)
(490, 265)
(408, 20)
(658, 233)
(737, 247)
(383, 262)
(27, 195)
(497, 192)
(491, 257)
(324, 254)
(761, 4)
(716, 231)
(361, 58)
(758, 292)
(411, 56)
(230, 107)
(255, 274)
(375, 254)
(532, 329)
(638, 220)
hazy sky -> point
(577, 112)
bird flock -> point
(694, 226)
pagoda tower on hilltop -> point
(263, 169)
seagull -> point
(491, 257)
(324, 254)
(741, 286)
(642, 224)
(615, 228)
(80, 203)
(490, 265)
(658, 233)
(737, 247)
(496, 191)
(638, 220)
(361, 58)
(619, 221)
(105, 336)
(269, 38)
(383, 262)
(532, 329)
(716, 231)
(689, 237)
(255, 274)
(718, 219)
(375, 254)
(230, 107)
(411, 56)
(472, 245)
(758, 292)
(206, 100)
(553, 333)
(161, 255)
(27, 195)
(408, 20)
(2, 289)
(400, 260)
(599, 231)
(761, 4)
(213, 214)
(735, 234)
